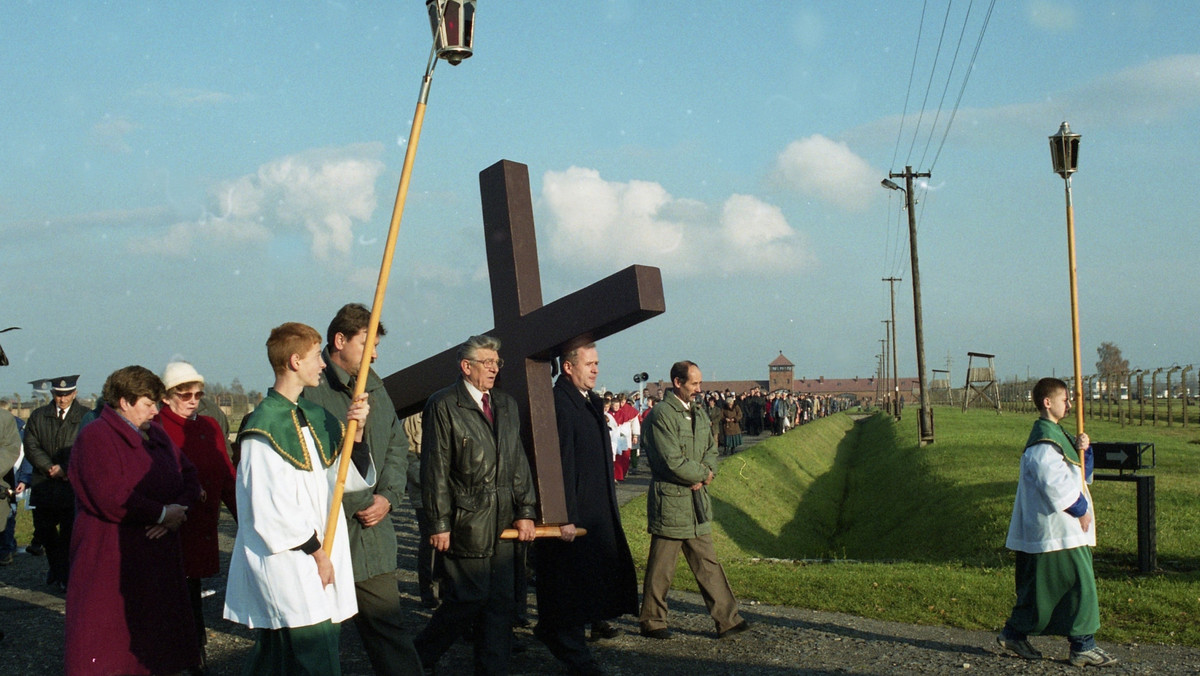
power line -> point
(929, 84)
(970, 67)
(908, 91)
(949, 75)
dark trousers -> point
(388, 646)
(520, 583)
(568, 644)
(194, 585)
(429, 560)
(8, 543)
(475, 593)
(52, 521)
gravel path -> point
(782, 641)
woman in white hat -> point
(201, 440)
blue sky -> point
(181, 177)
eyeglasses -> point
(489, 363)
(188, 396)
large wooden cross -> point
(532, 334)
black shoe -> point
(35, 550)
(734, 630)
(603, 630)
(6, 559)
(430, 602)
(660, 634)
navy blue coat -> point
(591, 578)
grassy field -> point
(859, 519)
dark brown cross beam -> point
(532, 334)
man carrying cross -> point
(475, 482)
(590, 579)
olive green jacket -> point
(372, 550)
(681, 452)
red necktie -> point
(487, 407)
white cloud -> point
(605, 225)
(110, 133)
(1052, 16)
(1157, 91)
(192, 97)
(758, 236)
(828, 170)
(323, 192)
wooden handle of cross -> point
(364, 368)
(541, 532)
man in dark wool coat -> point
(589, 579)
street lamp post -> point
(640, 379)
(453, 26)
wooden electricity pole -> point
(895, 370)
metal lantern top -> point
(453, 24)
(1064, 151)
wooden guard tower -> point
(940, 386)
(981, 381)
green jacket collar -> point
(340, 378)
(1046, 432)
(279, 421)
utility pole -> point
(895, 363)
(888, 351)
(925, 423)
(884, 363)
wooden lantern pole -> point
(364, 367)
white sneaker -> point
(1096, 657)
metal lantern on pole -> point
(453, 24)
(1064, 153)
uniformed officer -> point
(49, 434)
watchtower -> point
(981, 381)
(940, 386)
(780, 377)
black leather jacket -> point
(475, 478)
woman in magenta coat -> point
(127, 606)
(201, 440)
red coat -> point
(201, 441)
(127, 602)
